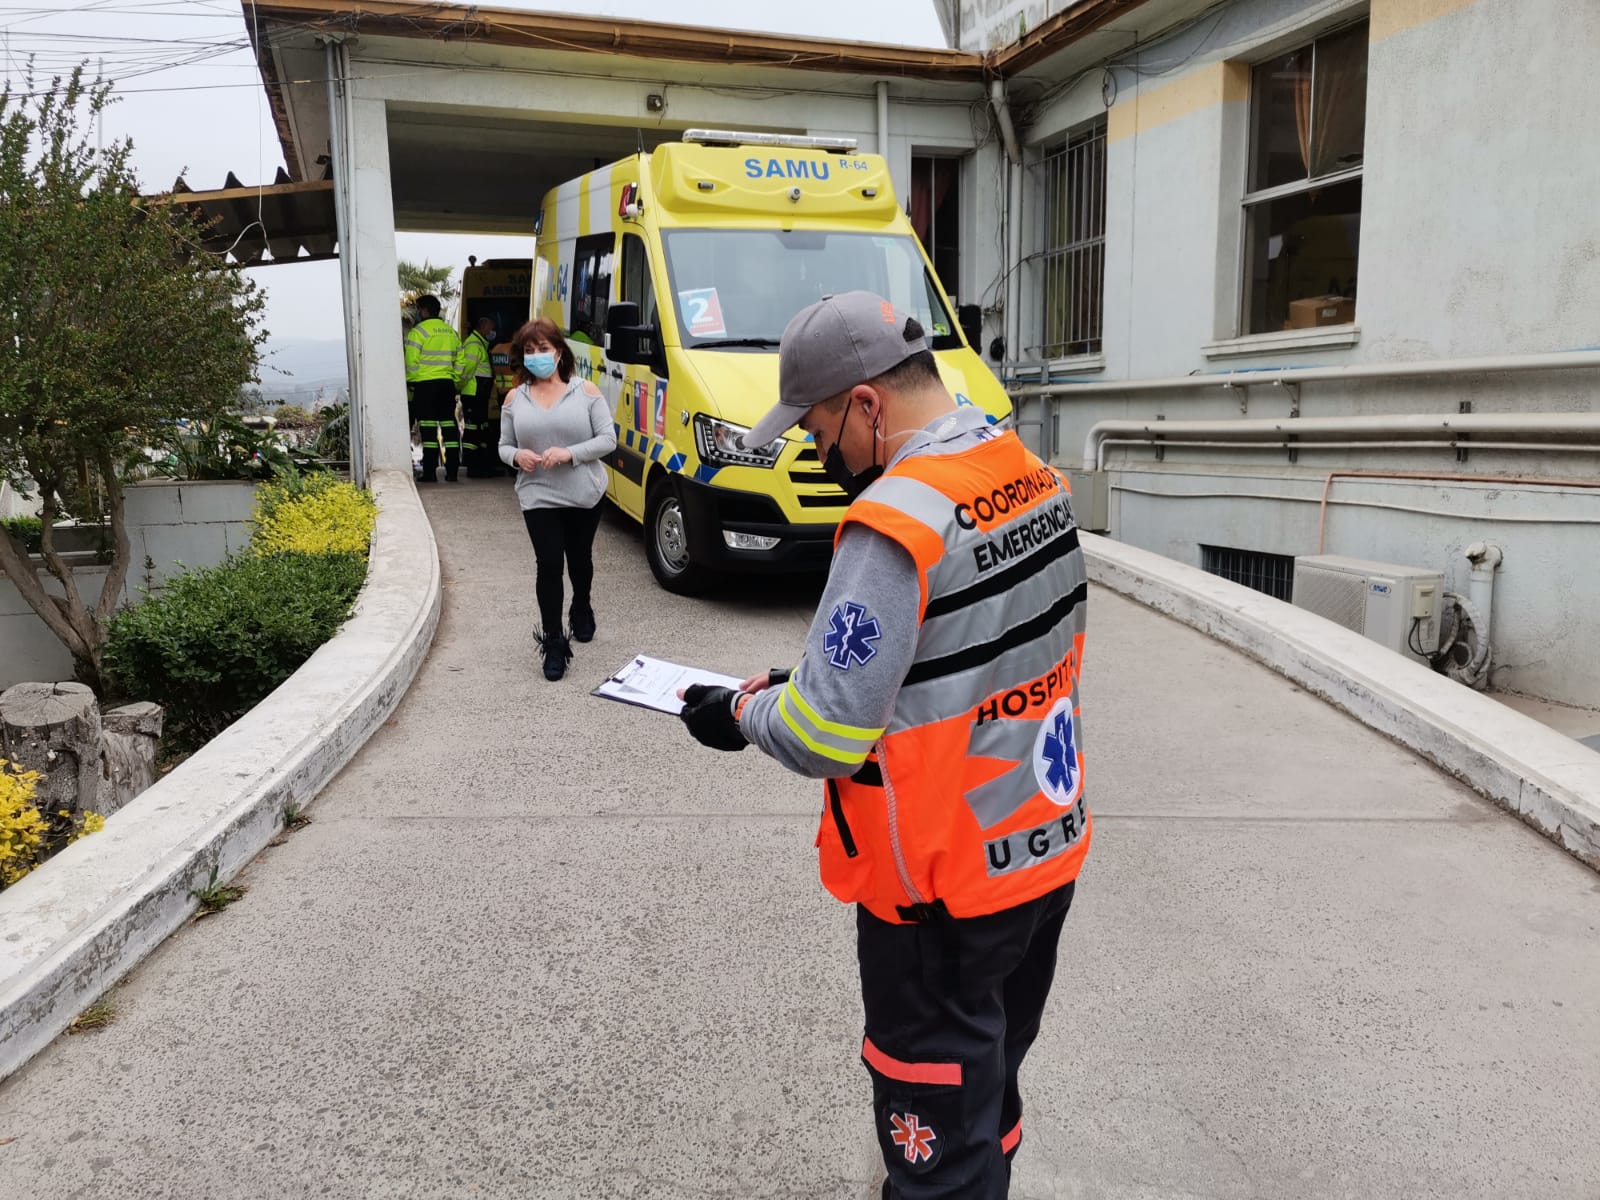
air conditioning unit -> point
(1395, 606)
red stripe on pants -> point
(893, 1068)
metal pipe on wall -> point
(1499, 364)
(1013, 215)
(1434, 477)
(1244, 433)
(883, 120)
(344, 224)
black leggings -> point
(558, 533)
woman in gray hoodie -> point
(556, 430)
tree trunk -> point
(81, 631)
(20, 570)
(54, 729)
(117, 575)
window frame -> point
(1249, 200)
(1054, 191)
(596, 290)
(958, 196)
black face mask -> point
(853, 482)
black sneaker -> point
(582, 617)
(557, 652)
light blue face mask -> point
(541, 365)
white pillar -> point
(379, 366)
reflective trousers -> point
(952, 1006)
(478, 445)
(436, 420)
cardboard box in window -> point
(1320, 310)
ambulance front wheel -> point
(666, 540)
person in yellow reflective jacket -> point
(503, 359)
(475, 380)
(431, 349)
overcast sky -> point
(209, 115)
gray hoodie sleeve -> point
(838, 701)
(603, 439)
(508, 434)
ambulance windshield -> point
(737, 288)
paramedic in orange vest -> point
(937, 697)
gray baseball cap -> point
(830, 347)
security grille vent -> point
(1337, 595)
(1269, 573)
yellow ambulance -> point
(501, 289)
(673, 274)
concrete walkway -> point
(539, 945)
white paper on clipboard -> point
(654, 683)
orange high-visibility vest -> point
(972, 801)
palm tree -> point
(424, 281)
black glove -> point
(778, 676)
(708, 712)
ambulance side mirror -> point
(627, 341)
(970, 318)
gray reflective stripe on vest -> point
(947, 632)
(1030, 847)
(924, 504)
(984, 553)
(1011, 741)
(959, 693)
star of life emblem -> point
(850, 636)
(912, 1136)
(1055, 755)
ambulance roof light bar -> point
(726, 137)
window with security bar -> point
(1072, 179)
(1259, 571)
(1302, 208)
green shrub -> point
(26, 530)
(218, 641)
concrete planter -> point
(173, 526)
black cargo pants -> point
(952, 1007)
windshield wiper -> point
(750, 343)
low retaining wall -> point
(1545, 778)
(76, 926)
(173, 526)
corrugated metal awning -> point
(280, 222)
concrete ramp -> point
(538, 945)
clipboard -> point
(653, 683)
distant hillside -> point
(290, 363)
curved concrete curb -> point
(71, 930)
(1548, 780)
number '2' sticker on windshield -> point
(702, 312)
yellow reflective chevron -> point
(847, 744)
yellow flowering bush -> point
(316, 514)
(27, 836)
(22, 828)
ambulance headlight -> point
(718, 443)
